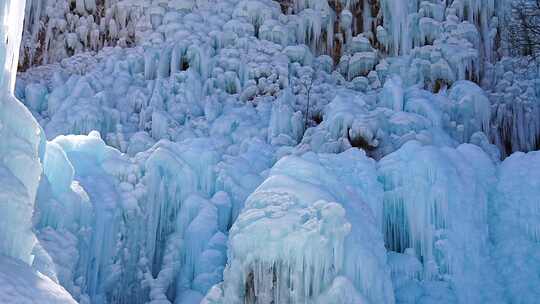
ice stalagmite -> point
(21, 142)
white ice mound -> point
(309, 231)
(21, 284)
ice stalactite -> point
(239, 176)
(515, 124)
(168, 189)
(88, 220)
(257, 12)
(285, 124)
(381, 123)
(109, 256)
(64, 215)
(486, 15)
(93, 207)
(79, 93)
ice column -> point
(21, 141)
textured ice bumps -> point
(309, 232)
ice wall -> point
(148, 228)
(435, 217)
(22, 143)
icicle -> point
(22, 144)
(396, 21)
